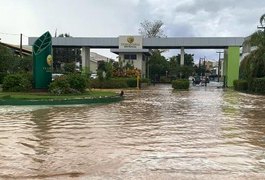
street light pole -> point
(219, 64)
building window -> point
(130, 56)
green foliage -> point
(181, 84)
(258, 85)
(176, 70)
(131, 82)
(69, 67)
(240, 85)
(253, 65)
(6, 57)
(78, 81)
(105, 70)
(69, 84)
(10, 63)
(145, 80)
(60, 86)
(2, 76)
(17, 82)
(109, 84)
(164, 79)
(117, 83)
(158, 66)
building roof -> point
(149, 43)
(97, 57)
(26, 50)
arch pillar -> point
(182, 53)
(85, 55)
(231, 65)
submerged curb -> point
(98, 100)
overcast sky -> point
(111, 18)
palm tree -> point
(262, 20)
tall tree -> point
(152, 29)
(253, 65)
(158, 65)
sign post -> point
(42, 61)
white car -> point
(54, 76)
(93, 76)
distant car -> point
(54, 76)
(93, 76)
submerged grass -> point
(46, 95)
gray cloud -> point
(92, 18)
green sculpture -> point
(42, 61)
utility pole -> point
(219, 64)
(20, 49)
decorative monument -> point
(42, 61)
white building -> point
(131, 51)
(94, 59)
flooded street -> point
(204, 133)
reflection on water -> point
(202, 133)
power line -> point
(12, 34)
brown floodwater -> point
(155, 133)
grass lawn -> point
(45, 95)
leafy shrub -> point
(77, 81)
(164, 79)
(17, 82)
(181, 84)
(131, 82)
(2, 76)
(72, 83)
(108, 84)
(258, 85)
(145, 80)
(60, 86)
(69, 67)
(240, 85)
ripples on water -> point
(152, 133)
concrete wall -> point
(139, 63)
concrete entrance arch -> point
(138, 44)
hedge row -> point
(116, 83)
(181, 84)
(17, 82)
(241, 85)
(73, 83)
(257, 85)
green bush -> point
(117, 83)
(17, 82)
(78, 82)
(131, 82)
(69, 67)
(108, 84)
(145, 80)
(258, 85)
(240, 85)
(181, 84)
(2, 76)
(164, 79)
(72, 83)
(60, 86)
